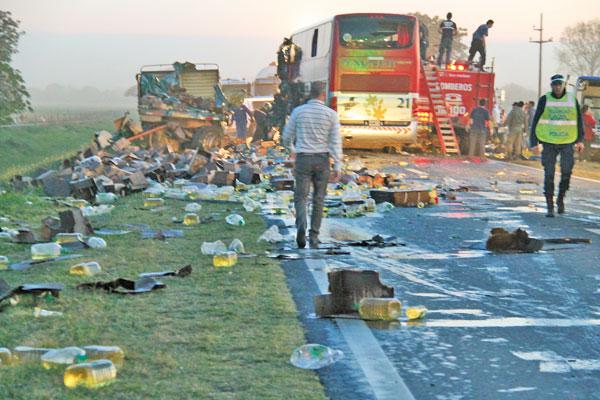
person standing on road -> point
(478, 130)
(240, 117)
(558, 127)
(262, 124)
(448, 30)
(312, 133)
(478, 43)
(589, 125)
(516, 121)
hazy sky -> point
(103, 43)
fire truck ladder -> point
(439, 111)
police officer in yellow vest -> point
(558, 127)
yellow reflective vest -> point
(558, 122)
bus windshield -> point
(376, 32)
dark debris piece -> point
(182, 272)
(125, 286)
(20, 266)
(35, 289)
(376, 241)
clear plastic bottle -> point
(90, 374)
(370, 205)
(39, 312)
(66, 355)
(314, 356)
(44, 251)
(191, 219)
(112, 353)
(192, 207)
(96, 243)
(237, 245)
(29, 355)
(235, 219)
(106, 198)
(212, 248)
(86, 268)
(385, 207)
(150, 202)
(3, 262)
(225, 259)
(224, 193)
(380, 308)
(5, 356)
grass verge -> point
(24, 150)
(216, 334)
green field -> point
(24, 150)
(216, 334)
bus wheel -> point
(208, 137)
(392, 149)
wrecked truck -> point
(183, 103)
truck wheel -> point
(207, 138)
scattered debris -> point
(181, 272)
(376, 241)
(501, 241)
(125, 286)
(35, 289)
(347, 288)
(271, 235)
(28, 263)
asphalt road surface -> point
(510, 326)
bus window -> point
(315, 41)
(365, 32)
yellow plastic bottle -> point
(380, 308)
(112, 353)
(79, 203)
(5, 356)
(153, 202)
(152, 194)
(3, 262)
(66, 238)
(44, 251)
(414, 313)
(191, 219)
(225, 259)
(28, 355)
(90, 374)
(86, 269)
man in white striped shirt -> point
(312, 134)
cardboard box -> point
(401, 198)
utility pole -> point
(541, 42)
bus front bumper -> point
(376, 138)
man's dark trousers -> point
(549, 154)
(311, 170)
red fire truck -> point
(378, 85)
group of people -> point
(448, 31)
(259, 119)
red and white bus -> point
(371, 65)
